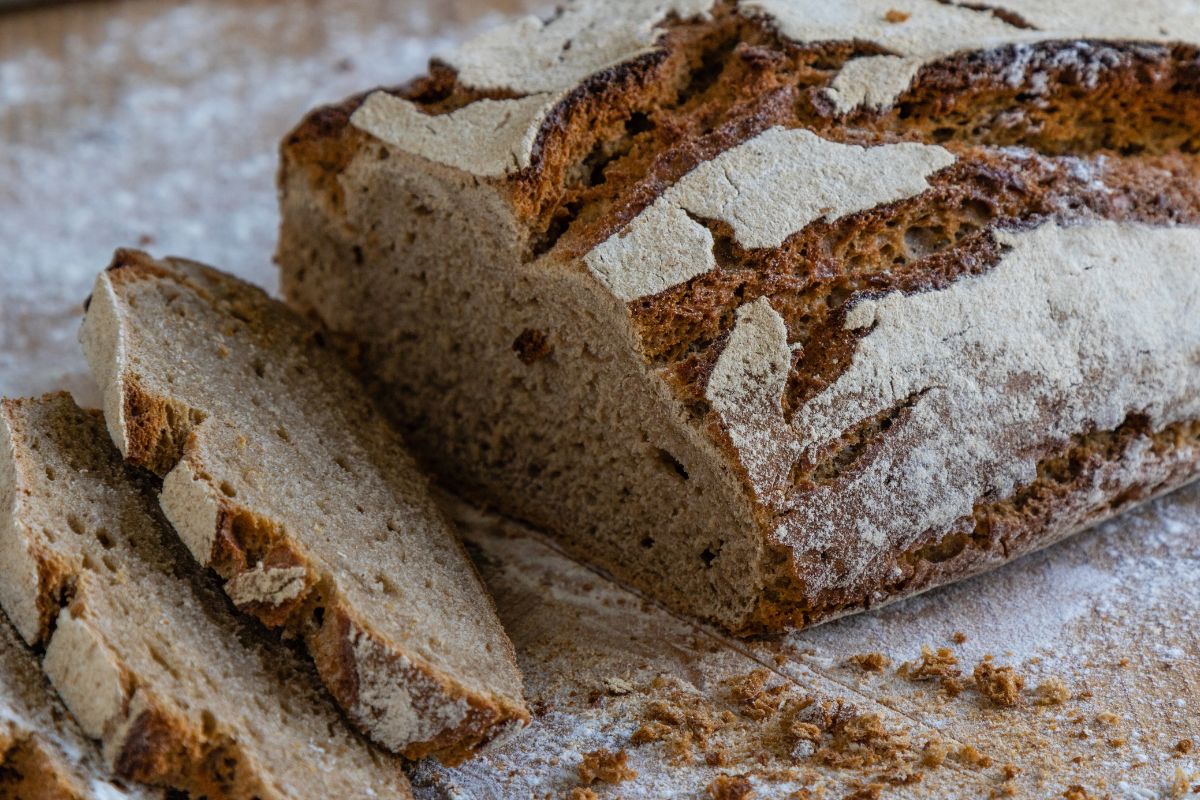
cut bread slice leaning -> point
(281, 475)
(144, 651)
(43, 754)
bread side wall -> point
(512, 380)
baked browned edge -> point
(157, 433)
(324, 143)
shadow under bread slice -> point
(147, 657)
(280, 474)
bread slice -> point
(281, 476)
(145, 653)
(778, 309)
(43, 754)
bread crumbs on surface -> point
(1051, 692)
(1107, 718)
(896, 16)
(729, 787)
(605, 766)
(1077, 792)
(958, 637)
(971, 757)
(582, 793)
(940, 665)
(870, 662)
(1184, 746)
(872, 791)
(1000, 684)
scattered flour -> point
(161, 131)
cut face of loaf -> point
(43, 754)
(146, 655)
(281, 476)
(778, 310)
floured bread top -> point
(537, 64)
(281, 475)
(667, 244)
(143, 650)
(1076, 329)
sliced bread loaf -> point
(146, 655)
(43, 754)
(280, 474)
(778, 309)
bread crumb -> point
(970, 755)
(1051, 692)
(958, 637)
(650, 732)
(1010, 771)
(935, 753)
(750, 690)
(1077, 792)
(872, 791)
(896, 16)
(582, 793)
(1184, 746)
(1002, 685)
(1181, 784)
(870, 662)
(730, 787)
(1107, 718)
(606, 767)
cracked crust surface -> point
(281, 476)
(686, 201)
(143, 651)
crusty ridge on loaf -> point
(281, 476)
(43, 754)
(143, 650)
(778, 309)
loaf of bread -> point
(144, 652)
(280, 474)
(43, 754)
(779, 309)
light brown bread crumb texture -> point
(768, 412)
(282, 476)
(145, 653)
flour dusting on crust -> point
(766, 189)
(1076, 328)
(544, 61)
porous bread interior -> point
(578, 429)
(295, 454)
(1104, 130)
(180, 692)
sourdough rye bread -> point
(281, 475)
(778, 309)
(144, 651)
(43, 754)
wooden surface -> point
(155, 123)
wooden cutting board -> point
(154, 124)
